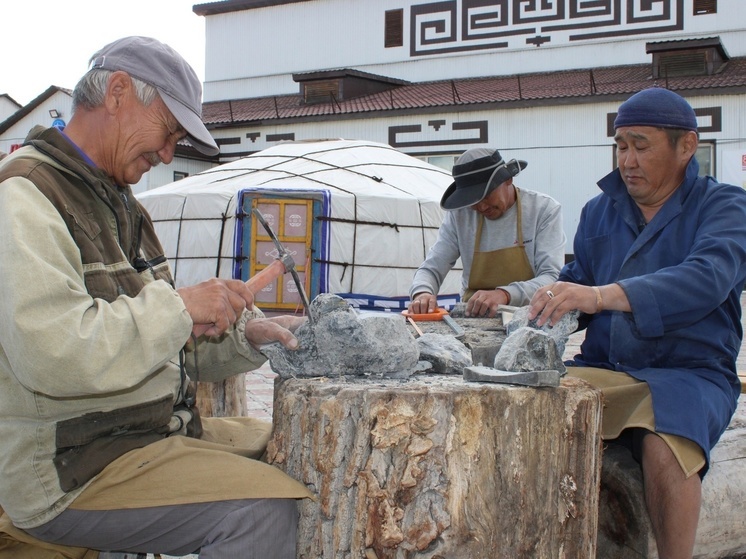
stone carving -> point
(444, 353)
(529, 347)
(559, 332)
(342, 342)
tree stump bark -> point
(435, 467)
(624, 525)
(223, 399)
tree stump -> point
(226, 398)
(436, 467)
(624, 525)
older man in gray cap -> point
(660, 263)
(510, 240)
(100, 444)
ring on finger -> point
(550, 294)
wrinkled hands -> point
(423, 303)
(482, 303)
(275, 329)
(215, 305)
(552, 302)
(485, 303)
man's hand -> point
(423, 303)
(261, 331)
(552, 302)
(215, 304)
(485, 302)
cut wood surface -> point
(436, 467)
(226, 398)
(624, 524)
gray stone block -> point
(477, 373)
(343, 343)
(559, 332)
(445, 353)
(528, 349)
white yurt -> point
(357, 218)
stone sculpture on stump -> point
(427, 465)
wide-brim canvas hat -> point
(159, 65)
(477, 173)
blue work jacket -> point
(683, 274)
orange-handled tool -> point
(437, 314)
(269, 274)
(288, 265)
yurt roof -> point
(367, 183)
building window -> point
(692, 57)
(178, 175)
(706, 157)
(394, 32)
(443, 161)
(705, 7)
(321, 91)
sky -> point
(49, 42)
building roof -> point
(686, 44)
(552, 88)
(10, 99)
(33, 104)
(227, 6)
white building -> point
(8, 106)
(540, 81)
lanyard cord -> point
(189, 398)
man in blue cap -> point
(510, 240)
(660, 263)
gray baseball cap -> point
(159, 65)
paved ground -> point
(260, 383)
(259, 392)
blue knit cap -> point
(657, 107)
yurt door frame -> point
(292, 222)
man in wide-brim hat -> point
(510, 240)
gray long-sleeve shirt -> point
(543, 237)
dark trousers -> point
(245, 529)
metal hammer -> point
(283, 264)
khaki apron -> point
(628, 403)
(503, 266)
(173, 471)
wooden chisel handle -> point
(269, 274)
